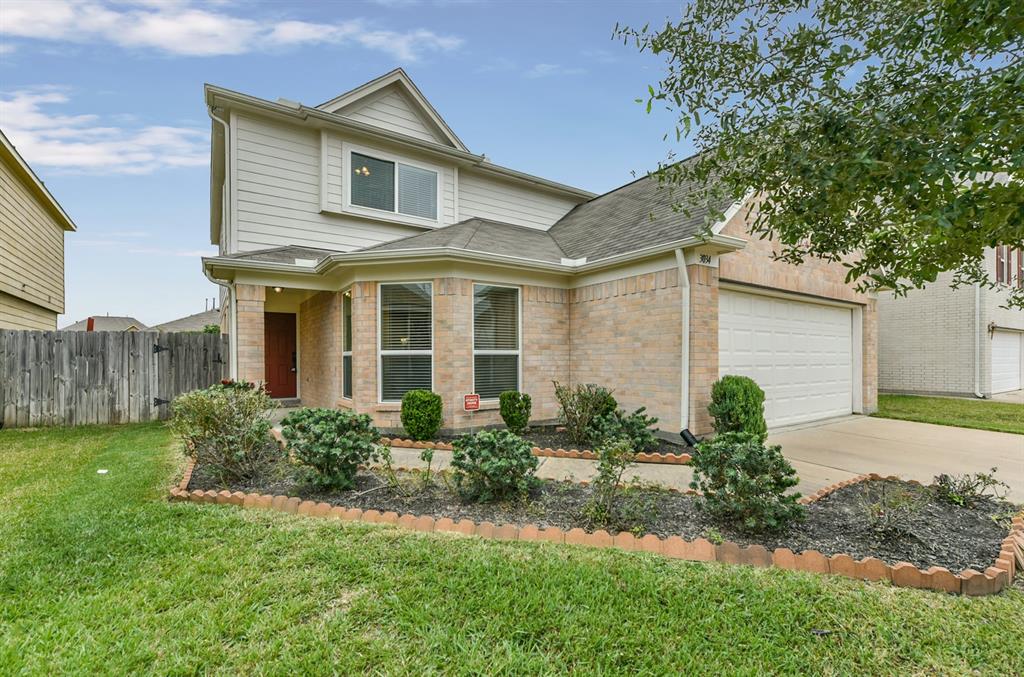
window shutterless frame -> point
(347, 149)
(346, 345)
(518, 352)
(383, 353)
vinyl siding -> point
(31, 245)
(16, 313)
(391, 110)
(487, 198)
(993, 311)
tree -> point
(883, 134)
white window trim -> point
(382, 353)
(347, 353)
(518, 352)
(346, 171)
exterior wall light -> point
(277, 289)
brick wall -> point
(251, 363)
(546, 347)
(320, 347)
(625, 334)
(703, 344)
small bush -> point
(614, 456)
(580, 405)
(968, 490)
(421, 414)
(493, 465)
(635, 427)
(210, 329)
(890, 516)
(744, 483)
(332, 443)
(515, 410)
(226, 429)
(737, 405)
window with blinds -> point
(495, 340)
(406, 339)
(393, 186)
(346, 345)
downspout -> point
(684, 287)
(225, 231)
(977, 342)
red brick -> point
(371, 516)
(651, 543)
(813, 561)
(941, 579)
(757, 556)
(223, 497)
(508, 532)
(906, 575)
(264, 502)
(729, 553)
(407, 521)
(598, 539)
(552, 534)
(975, 583)
(842, 565)
(423, 523)
(999, 578)
(702, 550)
(321, 509)
(277, 503)
(529, 533)
(444, 524)
(873, 569)
(485, 530)
(676, 547)
(250, 500)
(576, 536)
(784, 558)
(352, 515)
(337, 513)
(292, 505)
(306, 507)
(464, 526)
(389, 517)
(625, 541)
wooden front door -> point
(279, 353)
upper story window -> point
(1009, 266)
(393, 186)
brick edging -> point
(902, 574)
(584, 454)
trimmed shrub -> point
(968, 490)
(737, 405)
(635, 427)
(421, 414)
(493, 465)
(744, 483)
(580, 405)
(332, 443)
(226, 429)
(515, 410)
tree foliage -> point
(885, 134)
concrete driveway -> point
(830, 452)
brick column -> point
(869, 355)
(453, 350)
(250, 341)
(364, 346)
(320, 349)
(703, 344)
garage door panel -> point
(1006, 361)
(800, 353)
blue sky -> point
(105, 101)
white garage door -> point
(801, 354)
(1006, 356)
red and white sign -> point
(471, 402)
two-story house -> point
(32, 227)
(365, 251)
(963, 342)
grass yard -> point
(1004, 417)
(101, 574)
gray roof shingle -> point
(287, 254)
(194, 322)
(107, 323)
(481, 235)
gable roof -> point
(194, 322)
(11, 155)
(108, 323)
(399, 81)
(481, 235)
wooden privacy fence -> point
(77, 377)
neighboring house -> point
(365, 251)
(107, 323)
(192, 323)
(32, 227)
(965, 341)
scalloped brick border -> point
(584, 454)
(902, 574)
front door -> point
(279, 353)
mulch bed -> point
(938, 534)
(548, 437)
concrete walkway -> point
(1014, 397)
(832, 452)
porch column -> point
(250, 300)
(703, 332)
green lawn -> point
(101, 574)
(1002, 416)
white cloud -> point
(182, 28)
(83, 143)
(543, 70)
(7, 48)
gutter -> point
(684, 284)
(225, 231)
(977, 342)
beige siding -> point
(391, 110)
(278, 194)
(17, 313)
(488, 198)
(31, 245)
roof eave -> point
(37, 185)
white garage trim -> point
(835, 342)
(1007, 361)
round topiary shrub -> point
(421, 414)
(737, 405)
(331, 443)
(515, 410)
(493, 465)
(742, 482)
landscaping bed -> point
(551, 437)
(934, 533)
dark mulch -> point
(938, 534)
(548, 437)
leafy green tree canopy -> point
(887, 134)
